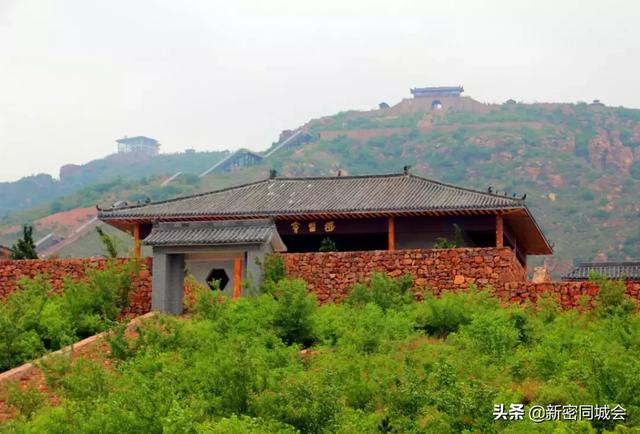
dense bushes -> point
(35, 320)
(378, 363)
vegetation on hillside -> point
(35, 190)
(380, 362)
(106, 194)
(572, 161)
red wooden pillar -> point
(136, 240)
(237, 278)
(499, 231)
(391, 229)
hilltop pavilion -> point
(139, 145)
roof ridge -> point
(517, 201)
(304, 178)
(217, 224)
(600, 264)
(393, 175)
(471, 190)
(188, 196)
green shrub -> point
(273, 271)
(55, 367)
(383, 291)
(440, 316)
(611, 298)
(119, 346)
(26, 400)
(491, 333)
(292, 316)
(328, 245)
(85, 380)
(236, 366)
(369, 327)
(304, 402)
(34, 319)
(207, 303)
(245, 424)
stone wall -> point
(331, 275)
(569, 294)
(57, 270)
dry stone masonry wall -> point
(57, 270)
(331, 275)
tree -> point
(328, 245)
(444, 243)
(25, 248)
(108, 243)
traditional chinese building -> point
(434, 92)
(610, 270)
(378, 212)
(138, 145)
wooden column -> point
(391, 233)
(499, 231)
(136, 240)
(237, 278)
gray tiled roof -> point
(137, 140)
(292, 196)
(211, 233)
(611, 270)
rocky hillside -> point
(579, 164)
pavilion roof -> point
(336, 197)
(212, 233)
(137, 140)
(610, 270)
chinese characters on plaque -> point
(313, 227)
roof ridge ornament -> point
(273, 173)
(406, 170)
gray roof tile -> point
(611, 270)
(211, 233)
(291, 196)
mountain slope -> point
(35, 190)
(579, 164)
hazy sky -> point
(77, 74)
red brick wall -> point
(59, 269)
(331, 275)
